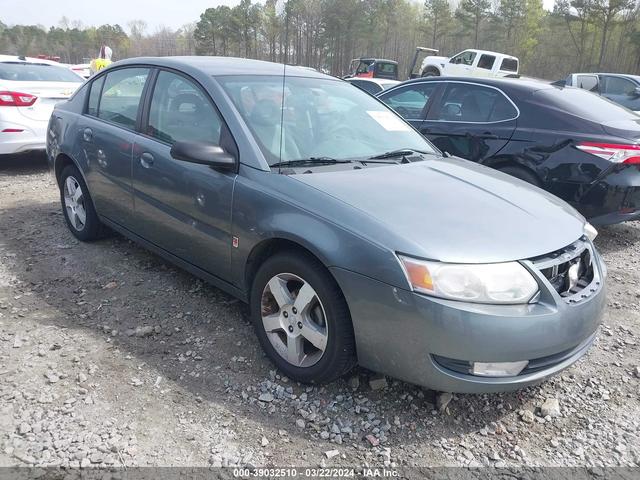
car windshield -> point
(296, 118)
(584, 104)
(36, 72)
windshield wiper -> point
(403, 152)
(310, 161)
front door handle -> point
(146, 160)
(87, 134)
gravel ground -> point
(111, 356)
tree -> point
(471, 13)
(438, 16)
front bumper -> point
(399, 332)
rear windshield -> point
(387, 68)
(509, 65)
(36, 72)
(584, 104)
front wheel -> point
(301, 319)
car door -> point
(106, 135)
(411, 101)
(471, 121)
(620, 90)
(461, 65)
(183, 207)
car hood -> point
(452, 210)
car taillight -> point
(614, 152)
(16, 99)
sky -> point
(170, 13)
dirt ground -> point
(111, 356)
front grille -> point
(570, 271)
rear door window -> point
(509, 65)
(181, 112)
(463, 102)
(486, 61)
(121, 93)
(410, 101)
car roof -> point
(622, 75)
(223, 66)
(379, 81)
(374, 59)
(521, 85)
(489, 52)
(20, 59)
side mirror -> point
(204, 154)
(636, 92)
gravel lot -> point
(111, 356)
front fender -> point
(262, 211)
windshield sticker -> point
(388, 121)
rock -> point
(620, 448)
(144, 331)
(495, 456)
(527, 416)
(266, 397)
(110, 286)
(636, 371)
(373, 440)
(51, 377)
(264, 441)
(136, 382)
(354, 382)
(24, 428)
(300, 423)
(442, 400)
(551, 408)
(325, 435)
(331, 453)
(85, 462)
(378, 382)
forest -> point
(577, 35)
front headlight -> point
(506, 283)
(590, 231)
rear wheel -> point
(522, 173)
(77, 206)
(301, 319)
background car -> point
(82, 69)
(372, 85)
(617, 87)
(471, 63)
(570, 142)
(29, 89)
(337, 222)
(373, 68)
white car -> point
(471, 63)
(82, 69)
(29, 88)
(372, 85)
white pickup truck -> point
(471, 63)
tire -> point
(430, 73)
(522, 174)
(283, 335)
(77, 208)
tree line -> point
(577, 35)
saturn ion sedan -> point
(351, 237)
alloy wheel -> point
(294, 320)
(74, 203)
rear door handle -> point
(146, 160)
(87, 134)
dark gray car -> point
(350, 236)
